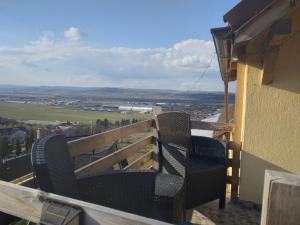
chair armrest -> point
(172, 158)
(131, 191)
(208, 148)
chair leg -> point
(222, 202)
(184, 215)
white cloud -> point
(46, 62)
(74, 34)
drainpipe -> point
(226, 107)
(226, 101)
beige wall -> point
(270, 127)
(240, 95)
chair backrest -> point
(175, 128)
(208, 148)
(174, 136)
(53, 166)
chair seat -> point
(199, 165)
(206, 181)
(167, 185)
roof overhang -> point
(247, 20)
(264, 20)
(223, 39)
(244, 11)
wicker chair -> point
(130, 191)
(200, 160)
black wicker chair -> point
(200, 160)
(170, 189)
(130, 191)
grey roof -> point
(245, 11)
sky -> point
(160, 44)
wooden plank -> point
(24, 179)
(105, 152)
(138, 163)
(85, 144)
(154, 157)
(110, 160)
(235, 164)
(220, 135)
(226, 101)
(27, 203)
(197, 124)
(229, 179)
(281, 199)
(233, 146)
(229, 163)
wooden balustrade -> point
(214, 126)
(140, 162)
(112, 159)
(233, 162)
(100, 140)
(23, 180)
(27, 203)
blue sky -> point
(124, 43)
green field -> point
(43, 112)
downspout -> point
(226, 101)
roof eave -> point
(263, 20)
(223, 44)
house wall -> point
(240, 101)
(270, 128)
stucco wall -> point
(271, 130)
(240, 101)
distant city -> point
(27, 113)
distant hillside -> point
(113, 93)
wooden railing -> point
(233, 164)
(30, 205)
(99, 141)
(112, 159)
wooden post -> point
(157, 110)
(235, 165)
(226, 101)
(155, 152)
(281, 199)
(226, 107)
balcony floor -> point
(233, 214)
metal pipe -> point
(226, 101)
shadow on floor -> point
(233, 214)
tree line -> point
(15, 148)
(105, 124)
(7, 148)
